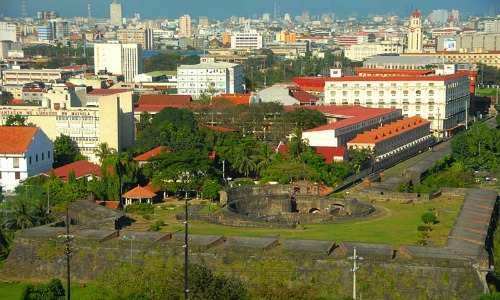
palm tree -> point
(20, 217)
(263, 158)
(104, 151)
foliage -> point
(492, 296)
(169, 61)
(140, 208)
(156, 226)
(16, 120)
(454, 176)
(360, 158)
(211, 189)
(429, 218)
(286, 171)
(65, 151)
(53, 290)
(305, 118)
(158, 279)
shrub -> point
(53, 290)
(429, 218)
(140, 208)
(156, 226)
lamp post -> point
(186, 253)
(354, 269)
(67, 239)
(130, 238)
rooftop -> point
(209, 65)
(16, 139)
(146, 156)
(389, 130)
(220, 128)
(236, 99)
(81, 168)
(139, 192)
(350, 115)
(107, 92)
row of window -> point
(17, 175)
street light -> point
(355, 268)
(130, 238)
(67, 239)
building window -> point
(17, 175)
(36, 157)
(43, 155)
(30, 160)
(419, 93)
(48, 154)
(15, 162)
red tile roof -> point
(81, 168)
(220, 128)
(303, 97)
(330, 153)
(156, 103)
(350, 115)
(107, 92)
(390, 130)
(139, 192)
(16, 139)
(236, 99)
(146, 156)
(109, 204)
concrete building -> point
(185, 29)
(132, 36)
(345, 122)
(395, 141)
(289, 50)
(149, 39)
(23, 76)
(44, 33)
(221, 78)
(118, 59)
(101, 116)
(24, 152)
(8, 32)
(405, 62)
(115, 14)
(469, 42)
(360, 52)
(492, 26)
(442, 99)
(414, 35)
(247, 40)
(491, 58)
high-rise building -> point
(44, 33)
(8, 32)
(115, 13)
(185, 26)
(118, 59)
(148, 39)
(204, 22)
(415, 44)
(247, 40)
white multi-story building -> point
(24, 152)
(115, 13)
(101, 116)
(8, 32)
(441, 99)
(118, 59)
(360, 52)
(247, 40)
(23, 76)
(185, 26)
(210, 77)
(415, 43)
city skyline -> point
(100, 9)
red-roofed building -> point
(145, 157)
(153, 104)
(107, 92)
(345, 122)
(81, 169)
(236, 99)
(303, 97)
(220, 128)
(396, 140)
(329, 154)
(24, 152)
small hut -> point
(139, 194)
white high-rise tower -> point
(415, 44)
(115, 13)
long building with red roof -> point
(345, 122)
(81, 169)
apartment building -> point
(23, 76)
(24, 152)
(360, 52)
(247, 40)
(395, 141)
(220, 77)
(118, 59)
(442, 99)
(101, 116)
(115, 13)
(185, 26)
(8, 32)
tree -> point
(211, 189)
(65, 151)
(53, 290)
(287, 171)
(429, 218)
(360, 158)
(297, 145)
(103, 151)
(305, 118)
(16, 120)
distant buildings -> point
(247, 40)
(469, 42)
(185, 26)
(115, 13)
(23, 76)
(8, 32)
(415, 36)
(210, 77)
(24, 152)
(360, 52)
(118, 59)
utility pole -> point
(67, 239)
(186, 253)
(224, 170)
(354, 269)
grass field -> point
(397, 225)
(14, 291)
(486, 92)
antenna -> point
(24, 9)
(89, 10)
(275, 9)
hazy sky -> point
(225, 8)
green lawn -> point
(397, 225)
(486, 92)
(13, 291)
